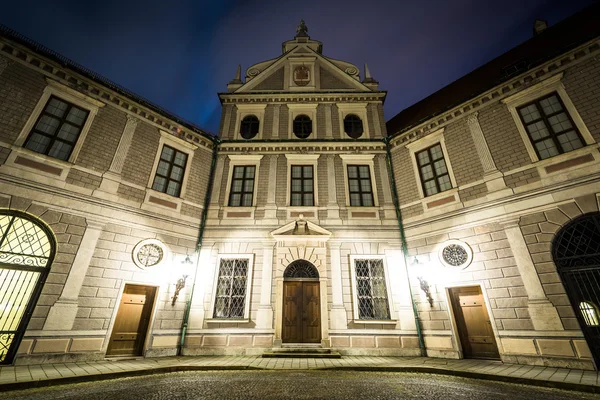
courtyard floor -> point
(30, 376)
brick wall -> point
(4, 153)
(522, 178)
(582, 83)
(141, 154)
(199, 172)
(232, 120)
(20, 90)
(191, 211)
(281, 181)
(371, 109)
(322, 181)
(378, 177)
(268, 122)
(462, 153)
(131, 193)
(284, 116)
(263, 181)
(335, 121)
(272, 82)
(322, 120)
(102, 140)
(83, 179)
(473, 192)
(406, 183)
(330, 80)
(503, 138)
(382, 119)
(222, 200)
(339, 183)
(412, 211)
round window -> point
(353, 126)
(455, 254)
(249, 127)
(302, 126)
(149, 253)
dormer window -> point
(302, 126)
(249, 127)
(353, 126)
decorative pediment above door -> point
(300, 230)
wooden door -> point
(301, 312)
(133, 318)
(473, 323)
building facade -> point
(467, 226)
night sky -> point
(180, 53)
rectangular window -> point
(550, 127)
(230, 297)
(170, 171)
(302, 186)
(433, 171)
(359, 186)
(57, 129)
(242, 186)
(371, 290)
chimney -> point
(539, 26)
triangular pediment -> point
(301, 229)
(276, 75)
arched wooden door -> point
(301, 304)
(27, 248)
(576, 253)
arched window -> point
(353, 126)
(27, 249)
(302, 126)
(301, 269)
(249, 127)
(590, 313)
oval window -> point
(302, 126)
(353, 126)
(249, 127)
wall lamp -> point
(181, 281)
(426, 289)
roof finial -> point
(367, 72)
(238, 75)
(302, 29)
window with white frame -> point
(241, 193)
(360, 188)
(170, 171)
(433, 171)
(232, 288)
(549, 126)
(302, 186)
(371, 288)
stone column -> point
(112, 177)
(333, 208)
(276, 109)
(542, 312)
(62, 314)
(271, 207)
(494, 179)
(203, 275)
(264, 316)
(400, 286)
(338, 316)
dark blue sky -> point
(180, 53)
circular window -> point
(249, 127)
(353, 126)
(455, 254)
(149, 253)
(302, 126)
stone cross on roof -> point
(302, 29)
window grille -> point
(353, 126)
(57, 129)
(589, 313)
(433, 170)
(359, 186)
(170, 171)
(302, 186)
(301, 269)
(230, 298)
(371, 290)
(302, 126)
(242, 186)
(249, 127)
(550, 127)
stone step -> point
(307, 350)
(271, 354)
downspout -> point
(403, 242)
(188, 306)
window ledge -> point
(376, 321)
(227, 321)
(239, 212)
(547, 162)
(162, 200)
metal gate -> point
(27, 248)
(576, 253)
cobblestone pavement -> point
(331, 385)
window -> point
(231, 288)
(371, 289)
(242, 186)
(550, 127)
(433, 171)
(57, 129)
(353, 126)
(170, 171)
(302, 186)
(590, 313)
(359, 186)
(302, 126)
(249, 127)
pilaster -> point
(400, 286)
(205, 266)
(338, 316)
(264, 316)
(328, 123)
(213, 209)
(276, 109)
(271, 207)
(333, 208)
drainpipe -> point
(188, 305)
(403, 241)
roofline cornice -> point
(302, 97)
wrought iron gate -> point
(576, 253)
(27, 248)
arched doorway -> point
(301, 304)
(27, 248)
(576, 253)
